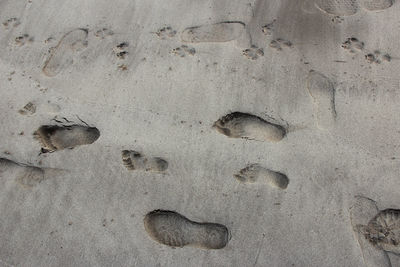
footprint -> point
(377, 57)
(255, 173)
(253, 52)
(268, 28)
(120, 51)
(103, 33)
(219, 32)
(172, 229)
(353, 44)
(23, 39)
(361, 213)
(26, 175)
(11, 21)
(247, 126)
(338, 7)
(322, 92)
(61, 56)
(184, 50)
(375, 5)
(29, 108)
(279, 43)
(166, 32)
(135, 161)
(53, 137)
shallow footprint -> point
(219, 32)
(361, 213)
(247, 126)
(62, 55)
(375, 5)
(338, 7)
(322, 92)
(135, 161)
(54, 137)
(25, 175)
(257, 174)
(172, 229)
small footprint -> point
(26, 175)
(255, 173)
(353, 44)
(135, 161)
(268, 28)
(54, 137)
(29, 108)
(377, 57)
(184, 50)
(103, 33)
(278, 44)
(322, 92)
(120, 50)
(172, 229)
(253, 52)
(23, 39)
(14, 22)
(219, 32)
(247, 126)
(166, 32)
(62, 55)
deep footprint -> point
(375, 5)
(361, 213)
(25, 175)
(54, 137)
(338, 7)
(322, 92)
(255, 173)
(135, 161)
(218, 32)
(247, 126)
(172, 229)
(62, 55)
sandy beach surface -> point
(125, 124)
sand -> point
(128, 69)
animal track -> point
(53, 137)
(29, 108)
(377, 57)
(267, 29)
(26, 175)
(135, 161)
(103, 33)
(219, 32)
(166, 32)
(361, 213)
(255, 173)
(322, 92)
(253, 52)
(353, 44)
(184, 50)
(23, 39)
(247, 126)
(279, 43)
(172, 229)
(120, 51)
(62, 55)
(11, 21)
(375, 5)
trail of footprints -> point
(353, 45)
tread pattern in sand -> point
(54, 137)
(248, 126)
(375, 5)
(322, 92)
(338, 7)
(135, 161)
(219, 32)
(172, 229)
(361, 212)
(63, 54)
(26, 175)
(257, 174)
